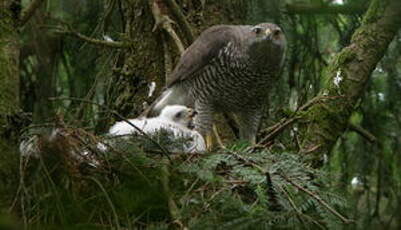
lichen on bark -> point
(346, 78)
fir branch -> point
(271, 194)
(292, 203)
(317, 198)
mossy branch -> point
(347, 76)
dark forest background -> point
(80, 63)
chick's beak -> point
(192, 113)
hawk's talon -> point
(209, 142)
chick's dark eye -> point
(257, 30)
(178, 115)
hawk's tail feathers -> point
(170, 96)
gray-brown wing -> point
(202, 51)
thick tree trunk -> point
(153, 53)
(9, 72)
(47, 48)
(347, 76)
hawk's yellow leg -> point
(218, 139)
(213, 139)
(209, 141)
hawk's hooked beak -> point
(272, 33)
(268, 33)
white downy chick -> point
(176, 119)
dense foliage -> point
(71, 82)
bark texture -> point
(47, 49)
(347, 77)
(9, 72)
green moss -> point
(327, 119)
(345, 56)
(375, 11)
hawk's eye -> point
(276, 32)
(257, 30)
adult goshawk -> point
(230, 69)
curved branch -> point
(163, 21)
(347, 76)
(182, 21)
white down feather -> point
(176, 119)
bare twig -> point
(363, 132)
(93, 41)
(317, 198)
(29, 11)
(66, 29)
(310, 149)
(280, 126)
(163, 21)
(285, 122)
(182, 21)
(164, 152)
